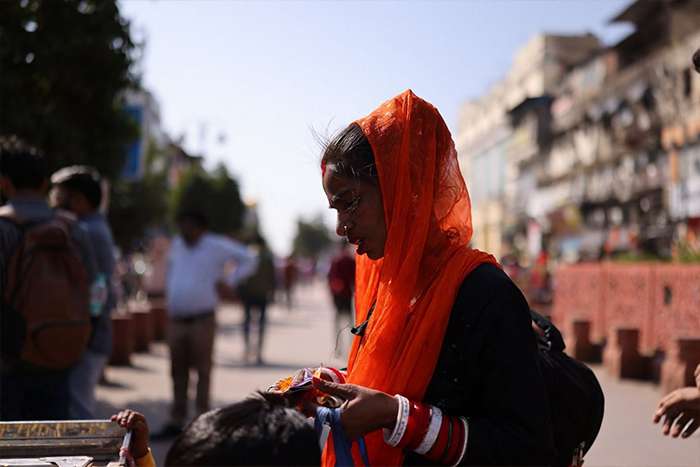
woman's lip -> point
(355, 240)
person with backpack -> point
(255, 293)
(46, 271)
(341, 284)
(445, 368)
(78, 189)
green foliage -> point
(687, 252)
(137, 206)
(215, 194)
(312, 238)
(63, 66)
(637, 257)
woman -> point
(439, 324)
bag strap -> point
(552, 336)
(341, 444)
(8, 213)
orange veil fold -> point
(426, 257)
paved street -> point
(305, 337)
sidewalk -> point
(304, 336)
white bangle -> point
(393, 438)
(433, 431)
(466, 436)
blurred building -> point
(144, 110)
(602, 155)
(176, 161)
(486, 137)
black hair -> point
(259, 430)
(350, 155)
(696, 60)
(23, 164)
(81, 179)
(195, 216)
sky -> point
(250, 84)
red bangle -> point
(457, 440)
(435, 453)
(418, 422)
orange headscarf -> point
(426, 256)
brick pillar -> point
(579, 343)
(622, 358)
(678, 369)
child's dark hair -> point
(81, 179)
(22, 164)
(349, 154)
(259, 430)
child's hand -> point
(135, 422)
(678, 409)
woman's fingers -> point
(345, 391)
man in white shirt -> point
(195, 265)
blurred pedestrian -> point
(341, 283)
(290, 276)
(78, 189)
(195, 265)
(46, 271)
(255, 292)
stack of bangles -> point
(426, 431)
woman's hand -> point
(136, 422)
(364, 409)
(677, 409)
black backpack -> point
(575, 398)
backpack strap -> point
(8, 213)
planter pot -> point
(143, 329)
(122, 339)
(159, 319)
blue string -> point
(341, 444)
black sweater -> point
(488, 372)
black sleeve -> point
(512, 425)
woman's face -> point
(360, 212)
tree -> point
(215, 194)
(312, 238)
(63, 66)
(137, 206)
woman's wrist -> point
(391, 409)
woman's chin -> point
(374, 255)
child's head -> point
(260, 430)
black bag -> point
(575, 398)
